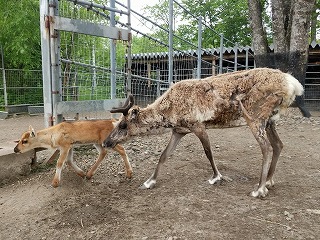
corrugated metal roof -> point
(212, 51)
(190, 52)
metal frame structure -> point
(51, 24)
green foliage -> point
(20, 33)
(227, 17)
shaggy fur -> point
(257, 96)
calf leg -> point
(277, 146)
(60, 162)
(175, 139)
(120, 149)
(102, 153)
(72, 164)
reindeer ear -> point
(32, 132)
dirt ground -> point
(183, 205)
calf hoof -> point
(129, 174)
(88, 176)
(55, 183)
(82, 174)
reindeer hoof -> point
(215, 179)
(149, 184)
(259, 193)
(270, 183)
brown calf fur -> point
(64, 136)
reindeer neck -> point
(150, 122)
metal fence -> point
(90, 67)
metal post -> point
(129, 60)
(158, 82)
(56, 87)
(235, 57)
(4, 79)
(199, 47)
(221, 54)
(113, 53)
(170, 57)
(46, 61)
(247, 58)
(94, 72)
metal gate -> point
(85, 57)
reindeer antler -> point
(127, 105)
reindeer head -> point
(26, 141)
(123, 127)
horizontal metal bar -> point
(88, 106)
(103, 7)
(84, 27)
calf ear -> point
(32, 132)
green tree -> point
(20, 34)
(227, 17)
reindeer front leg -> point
(201, 133)
(174, 140)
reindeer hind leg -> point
(259, 132)
(277, 146)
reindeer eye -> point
(123, 125)
(24, 141)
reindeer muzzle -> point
(16, 150)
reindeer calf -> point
(64, 136)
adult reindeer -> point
(258, 95)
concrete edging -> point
(13, 165)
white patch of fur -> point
(213, 180)
(58, 173)
(203, 116)
(294, 88)
(276, 117)
(149, 183)
(115, 123)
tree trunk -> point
(259, 42)
(299, 42)
(281, 27)
(291, 25)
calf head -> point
(27, 141)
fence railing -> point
(20, 87)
